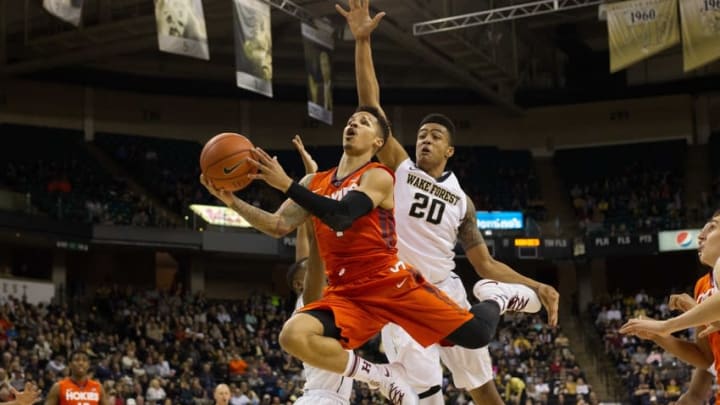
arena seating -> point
(62, 180)
(624, 188)
(651, 375)
(141, 349)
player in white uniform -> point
(432, 213)
(307, 279)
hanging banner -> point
(318, 45)
(700, 21)
(67, 10)
(638, 29)
(181, 28)
(253, 46)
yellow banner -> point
(701, 32)
(638, 29)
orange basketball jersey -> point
(703, 290)
(368, 245)
(85, 394)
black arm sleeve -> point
(338, 215)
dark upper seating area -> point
(499, 180)
(62, 180)
(623, 188)
(169, 169)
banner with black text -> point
(253, 46)
(700, 21)
(181, 28)
(638, 29)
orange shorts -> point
(362, 307)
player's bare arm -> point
(704, 313)
(104, 399)
(689, 352)
(315, 276)
(487, 267)
(362, 26)
(278, 224)
(53, 397)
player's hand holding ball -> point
(224, 165)
(269, 170)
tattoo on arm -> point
(468, 233)
(288, 217)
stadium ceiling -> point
(493, 60)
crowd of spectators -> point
(153, 347)
(637, 200)
(621, 189)
(534, 364)
(59, 178)
(651, 375)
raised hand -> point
(28, 396)
(358, 18)
(681, 302)
(309, 163)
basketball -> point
(223, 161)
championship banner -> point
(67, 10)
(181, 28)
(253, 46)
(318, 45)
(700, 31)
(638, 29)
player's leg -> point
(427, 313)
(495, 299)
(305, 337)
(320, 333)
(699, 389)
(423, 364)
(472, 371)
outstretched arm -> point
(704, 313)
(53, 397)
(288, 217)
(487, 267)
(362, 26)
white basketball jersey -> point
(428, 214)
(322, 380)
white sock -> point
(365, 371)
(350, 366)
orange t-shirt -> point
(237, 366)
(368, 245)
(85, 394)
(703, 290)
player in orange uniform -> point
(79, 388)
(368, 286)
(704, 354)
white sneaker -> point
(394, 387)
(510, 297)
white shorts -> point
(470, 368)
(321, 397)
